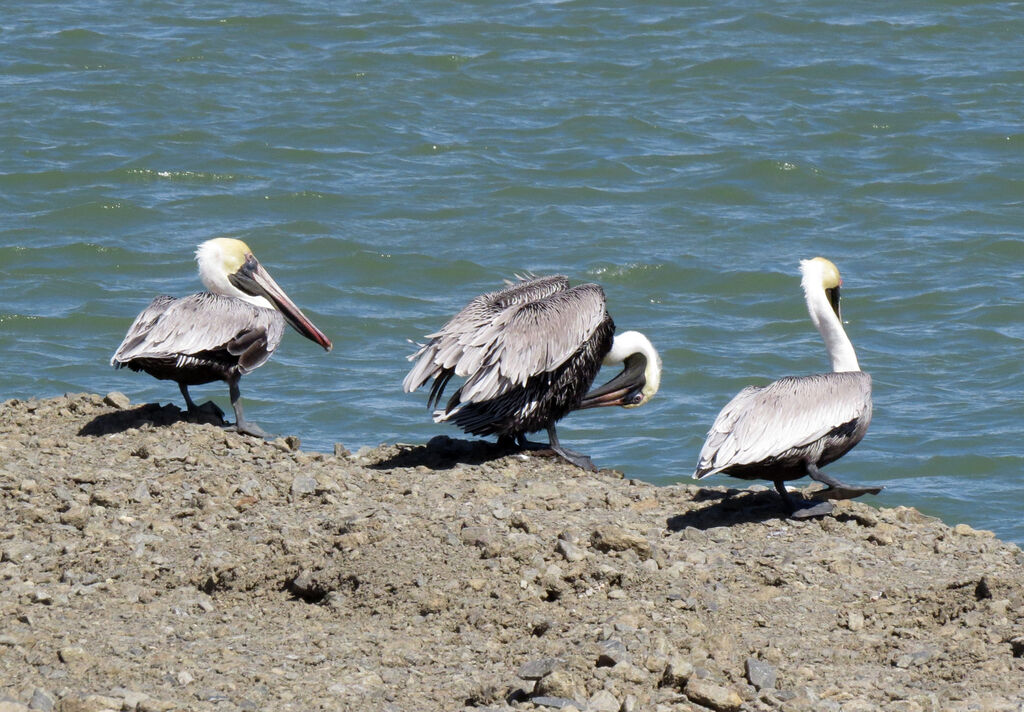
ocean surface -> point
(388, 161)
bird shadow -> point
(443, 453)
(152, 415)
(729, 508)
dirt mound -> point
(148, 563)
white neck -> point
(628, 343)
(837, 343)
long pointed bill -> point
(621, 390)
(253, 279)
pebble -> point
(90, 703)
(714, 696)
(303, 485)
(611, 537)
(559, 683)
(603, 701)
(558, 703)
(759, 673)
(117, 399)
(41, 700)
(536, 669)
(612, 653)
(678, 671)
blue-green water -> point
(388, 161)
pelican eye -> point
(636, 399)
(250, 264)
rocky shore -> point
(152, 564)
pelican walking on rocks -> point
(796, 425)
(529, 352)
(217, 335)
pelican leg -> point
(189, 403)
(241, 424)
(799, 510)
(836, 489)
(196, 413)
(579, 459)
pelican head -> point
(639, 379)
(228, 267)
(821, 274)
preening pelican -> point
(794, 426)
(217, 335)
(529, 352)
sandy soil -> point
(148, 563)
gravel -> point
(151, 564)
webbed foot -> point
(576, 458)
(247, 428)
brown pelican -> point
(217, 335)
(528, 353)
(794, 426)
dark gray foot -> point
(247, 428)
(579, 459)
(576, 458)
(836, 489)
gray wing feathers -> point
(502, 339)
(199, 322)
(763, 423)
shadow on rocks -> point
(443, 453)
(728, 508)
(152, 414)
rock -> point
(151, 705)
(611, 537)
(558, 703)
(117, 399)
(11, 706)
(72, 654)
(89, 703)
(759, 673)
(612, 653)
(76, 516)
(41, 700)
(603, 701)
(718, 698)
(559, 683)
(569, 551)
(131, 698)
(677, 672)
(536, 669)
(303, 485)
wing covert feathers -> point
(761, 424)
(502, 339)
